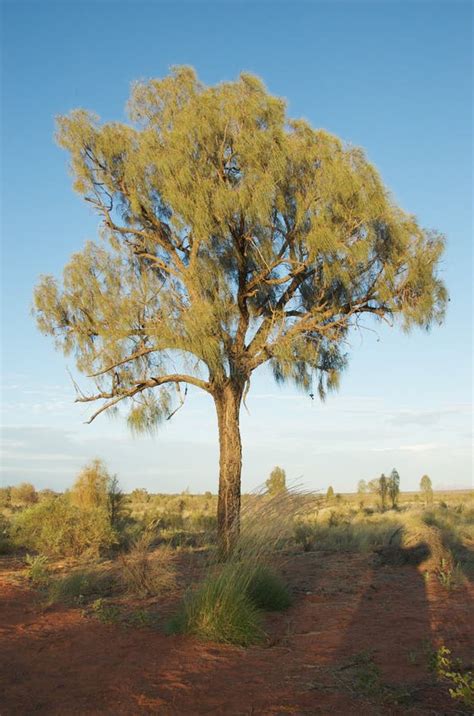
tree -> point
(139, 494)
(426, 488)
(115, 500)
(96, 488)
(90, 490)
(233, 237)
(373, 486)
(330, 493)
(379, 486)
(276, 483)
(23, 494)
(383, 490)
(362, 487)
(393, 487)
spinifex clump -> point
(227, 606)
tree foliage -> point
(330, 493)
(393, 487)
(380, 486)
(96, 488)
(233, 236)
(90, 489)
(426, 488)
(276, 483)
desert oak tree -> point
(233, 236)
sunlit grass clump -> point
(227, 606)
(220, 610)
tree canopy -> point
(276, 483)
(234, 236)
(426, 488)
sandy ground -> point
(347, 611)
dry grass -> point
(146, 573)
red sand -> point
(57, 661)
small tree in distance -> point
(233, 237)
(90, 490)
(426, 489)
(330, 493)
(383, 490)
(276, 483)
(96, 488)
(393, 487)
(379, 486)
(362, 487)
(115, 500)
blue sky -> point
(393, 77)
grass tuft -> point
(267, 591)
(227, 606)
(219, 610)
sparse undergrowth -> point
(37, 570)
(143, 573)
(451, 671)
(80, 587)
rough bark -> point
(228, 402)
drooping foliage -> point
(232, 236)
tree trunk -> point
(228, 402)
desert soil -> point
(349, 613)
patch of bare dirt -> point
(355, 641)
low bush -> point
(304, 534)
(144, 573)
(80, 587)
(57, 528)
(267, 591)
(461, 680)
(106, 613)
(37, 569)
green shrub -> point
(267, 591)
(304, 536)
(38, 572)
(461, 680)
(80, 587)
(106, 613)
(142, 618)
(58, 528)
